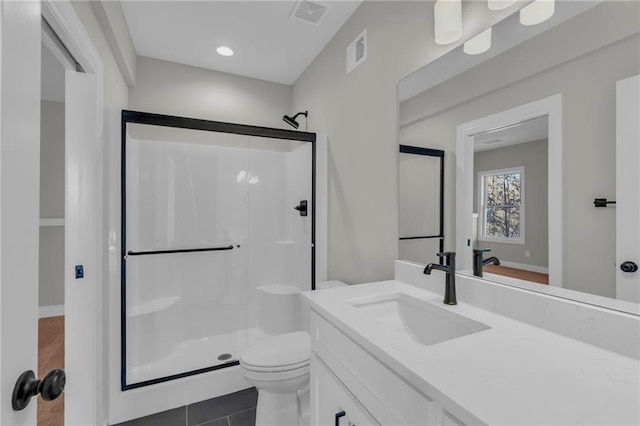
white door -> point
(628, 189)
(20, 50)
(19, 199)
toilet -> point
(278, 366)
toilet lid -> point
(289, 349)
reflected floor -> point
(50, 357)
(521, 274)
(195, 354)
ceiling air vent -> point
(357, 51)
(310, 12)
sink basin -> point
(425, 322)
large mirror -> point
(529, 131)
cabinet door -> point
(331, 403)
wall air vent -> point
(357, 51)
(309, 12)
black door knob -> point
(628, 266)
(27, 386)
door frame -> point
(85, 402)
(550, 106)
(627, 193)
(153, 119)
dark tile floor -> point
(236, 409)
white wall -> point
(175, 89)
(359, 114)
(581, 63)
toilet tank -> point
(305, 310)
(278, 308)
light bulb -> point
(447, 15)
(500, 4)
(537, 12)
(478, 44)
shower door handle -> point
(302, 207)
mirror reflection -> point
(420, 197)
(557, 235)
(510, 202)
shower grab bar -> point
(192, 250)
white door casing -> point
(628, 186)
(19, 199)
(84, 359)
(82, 295)
(551, 107)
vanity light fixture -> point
(478, 44)
(500, 4)
(447, 15)
(537, 12)
(224, 50)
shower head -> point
(291, 121)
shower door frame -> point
(438, 153)
(138, 117)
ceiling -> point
(268, 44)
(527, 131)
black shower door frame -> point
(137, 117)
(438, 153)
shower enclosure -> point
(211, 211)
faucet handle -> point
(481, 250)
(449, 254)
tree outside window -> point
(502, 205)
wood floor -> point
(50, 357)
(506, 271)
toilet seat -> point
(284, 352)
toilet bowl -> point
(279, 368)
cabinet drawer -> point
(329, 397)
(388, 397)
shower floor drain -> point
(224, 357)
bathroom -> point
(358, 123)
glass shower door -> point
(185, 270)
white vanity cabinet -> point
(345, 377)
(332, 403)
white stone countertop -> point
(513, 373)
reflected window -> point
(502, 205)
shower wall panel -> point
(280, 248)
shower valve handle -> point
(302, 207)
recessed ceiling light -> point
(224, 50)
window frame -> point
(482, 202)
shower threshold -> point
(195, 354)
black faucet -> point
(479, 263)
(450, 280)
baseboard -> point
(50, 311)
(524, 266)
